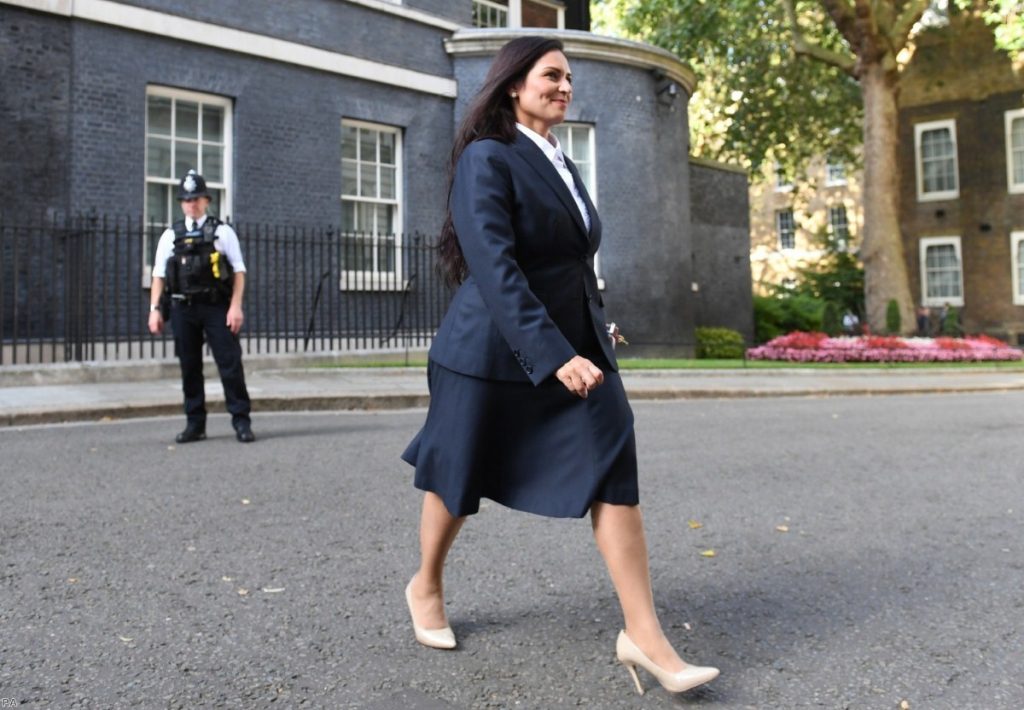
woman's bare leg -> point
(438, 529)
(619, 533)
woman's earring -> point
(515, 94)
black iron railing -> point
(77, 289)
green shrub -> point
(831, 323)
(719, 344)
(893, 320)
(951, 323)
(778, 315)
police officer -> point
(199, 261)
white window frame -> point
(778, 228)
(592, 143)
(919, 129)
(513, 10)
(926, 242)
(225, 184)
(1015, 240)
(831, 181)
(1011, 116)
(375, 280)
(842, 244)
(778, 176)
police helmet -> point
(192, 186)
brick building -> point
(792, 215)
(962, 178)
(326, 112)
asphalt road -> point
(138, 574)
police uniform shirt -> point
(553, 151)
(227, 244)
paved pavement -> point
(34, 395)
(139, 574)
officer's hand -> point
(579, 376)
(235, 319)
(156, 323)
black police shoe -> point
(243, 432)
(193, 432)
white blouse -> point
(554, 153)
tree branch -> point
(808, 49)
(902, 26)
(841, 12)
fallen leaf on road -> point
(708, 553)
(272, 590)
(170, 448)
(245, 501)
(243, 592)
(782, 528)
(126, 639)
(72, 580)
(904, 705)
(686, 625)
(227, 579)
(695, 524)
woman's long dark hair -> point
(491, 114)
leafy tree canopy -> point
(755, 101)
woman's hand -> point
(579, 376)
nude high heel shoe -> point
(631, 656)
(434, 638)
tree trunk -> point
(885, 270)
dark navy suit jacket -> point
(530, 302)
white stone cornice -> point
(183, 29)
(578, 45)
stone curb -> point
(385, 402)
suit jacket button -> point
(529, 370)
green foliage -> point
(754, 102)
(831, 322)
(778, 315)
(951, 323)
(893, 320)
(837, 278)
(719, 344)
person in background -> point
(199, 262)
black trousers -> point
(190, 321)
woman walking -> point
(527, 407)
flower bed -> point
(818, 347)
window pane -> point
(368, 180)
(1017, 150)
(580, 145)
(216, 200)
(157, 204)
(364, 219)
(387, 148)
(348, 178)
(213, 163)
(349, 137)
(348, 216)
(187, 119)
(159, 115)
(213, 123)
(186, 157)
(158, 157)
(367, 145)
(387, 182)
(385, 223)
(1020, 268)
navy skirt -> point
(537, 449)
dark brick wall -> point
(983, 216)
(35, 63)
(720, 216)
(332, 25)
(287, 128)
(643, 196)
